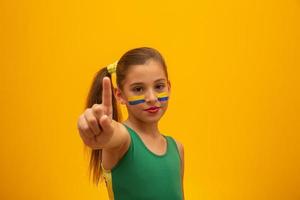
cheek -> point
(163, 100)
(136, 100)
(162, 97)
(164, 105)
(136, 108)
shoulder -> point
(180, 148)
(111, 157)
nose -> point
(151, 97)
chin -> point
(152, 119)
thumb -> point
(106, 124)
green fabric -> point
(143, 175)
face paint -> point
(134, 100)
(163, 96)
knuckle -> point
(92, 120)
(85, 128)
(95, 106)
(81, 124)
(98, 110)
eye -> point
(137, 89)
(160, 86)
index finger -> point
(106, 94)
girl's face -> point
(145, 92)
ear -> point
(119, 96)
(169, 86)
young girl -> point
(135, 159)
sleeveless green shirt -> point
(143, 175)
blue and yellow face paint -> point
(134, 100)
(163, 96)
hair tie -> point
(112, 68)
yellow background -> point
(234, 69)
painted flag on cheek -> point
(163, 96)
(133, 100)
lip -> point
(152, 109)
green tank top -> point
(142, 175)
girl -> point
(135, 159)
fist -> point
(95, 124)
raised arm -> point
(97, 128)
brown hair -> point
(137, 56)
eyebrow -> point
(141, 83)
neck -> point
(150, 129)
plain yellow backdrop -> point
(234, 69)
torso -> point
(111, 157)
(138, 170)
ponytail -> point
(95, 97)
